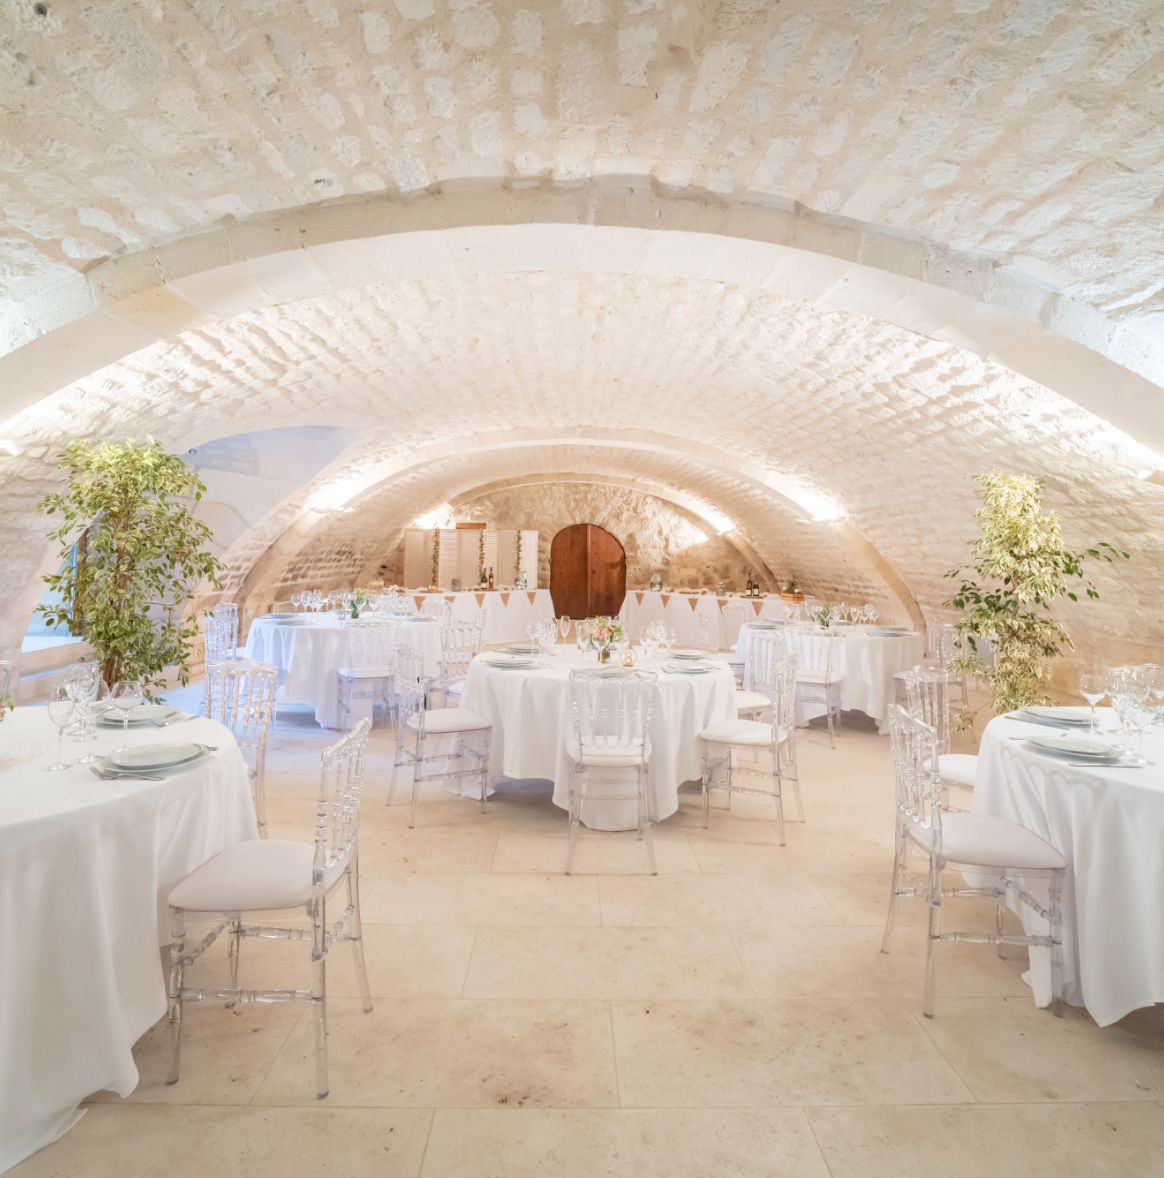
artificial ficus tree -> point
(125, 511)
(1020, 568)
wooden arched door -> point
(587, 572)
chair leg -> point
(705, 779)
(1054, 905)
(174, 1013)
(234, 951)
(829, 719)
(396, 760)
(415, 787)
(358, 934)
(575, 811)
(779, 790)
(1000, 920)
(319, 999)
(898, 871)
(934, 932)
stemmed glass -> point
(83, 686)
(126, 696)
(297, 600)
(60, 712)
(1093, 688)
(564, 626)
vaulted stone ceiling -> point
(765, 254)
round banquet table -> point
(85, 868)
(309, 653)
(532, 719)
(868, 662)
(684, 612)
(1109, 823)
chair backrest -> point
(914, 747)
(227, 612)
(940, 641)
(241, 696)
(814, 649)
(736, 613)
(337, 812)
(216, 639)
(408, 685)
(437, 607)
(927, 693)
(612, 709)
(769, 651)
(461, 643)
(372, 644)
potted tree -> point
(1021, 567)
(132, 554)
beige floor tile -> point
(969, 1141)
(605, 963)
(845, 962)
(707, 900)
(622, 1143)
(797, 1052)
(401, 898)
(225, 1054)
(805, 851)
(404, 961)
(453, 1052)
(614, 853)
(469, 848)
(1006, 1049)
(164, 1142)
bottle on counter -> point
(490, 577)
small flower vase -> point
(604, 654)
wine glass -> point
(126, 695)
(60, 711)
(1093, 688)
(83, 685)
(564, 626)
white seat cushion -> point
(747, 732)
(819, 678)
(441, 720)
(983, 840)
(250, 876)
(371, 672)
(607, 756)
(959, 768)
(751, 701)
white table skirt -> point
(532, 720)
(508, 612)
(684, 611)
(85, 868)
(308, 657)
(1109, 823)
(868, 662)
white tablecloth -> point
(683, 612)
(508, 612)
(308, 657)
(868, 662)
(1109, 823)
(85, 867)
(532, 720)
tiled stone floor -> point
(730, 1018)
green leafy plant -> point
(125, 511)
(823, 616)
(1020, 568)
(357, 602)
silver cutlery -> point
(113, 775)
(1110, 764)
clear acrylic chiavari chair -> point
(241, 696)
(370, 668)
(272, 876)
(927, 692)
(216, 640)
(227, 613)
(438, 609)
(610, 742)
(436, 743)
(819, 679)
(764, 648)
(461, 643)
(941, 648)
(1004, 849)
(759, 752)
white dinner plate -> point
(500, 658)
(687, 668)
(1073, 744)
(769, 625)
(688, 654)
(422, 618)
(888, 631)
(1081, 716)
(278, 617)
(138, 717)
(521, 648)
(156, 756)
